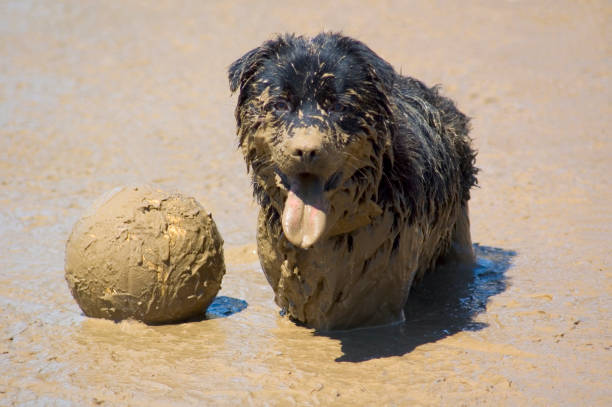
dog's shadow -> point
(444, 303)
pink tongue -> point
(305, 213)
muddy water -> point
(95, 95)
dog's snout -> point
(306, 145)
(306, 152)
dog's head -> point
(314, 125)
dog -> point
(363, 177)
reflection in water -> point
(223, 307)
(444, 303)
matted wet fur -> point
(363, 177)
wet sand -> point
(97, 95)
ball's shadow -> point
(221, 307)
(444, 303)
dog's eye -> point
(337, 107)
(280, 106)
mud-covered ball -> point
(145, 254)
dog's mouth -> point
(306, 210)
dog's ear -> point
(380, 70)
(243, 69)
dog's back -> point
(432, 141)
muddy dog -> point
(363, 177)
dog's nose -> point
(306, 145)
(306, 153)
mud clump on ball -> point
(144, 254)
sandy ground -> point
(99, 94)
